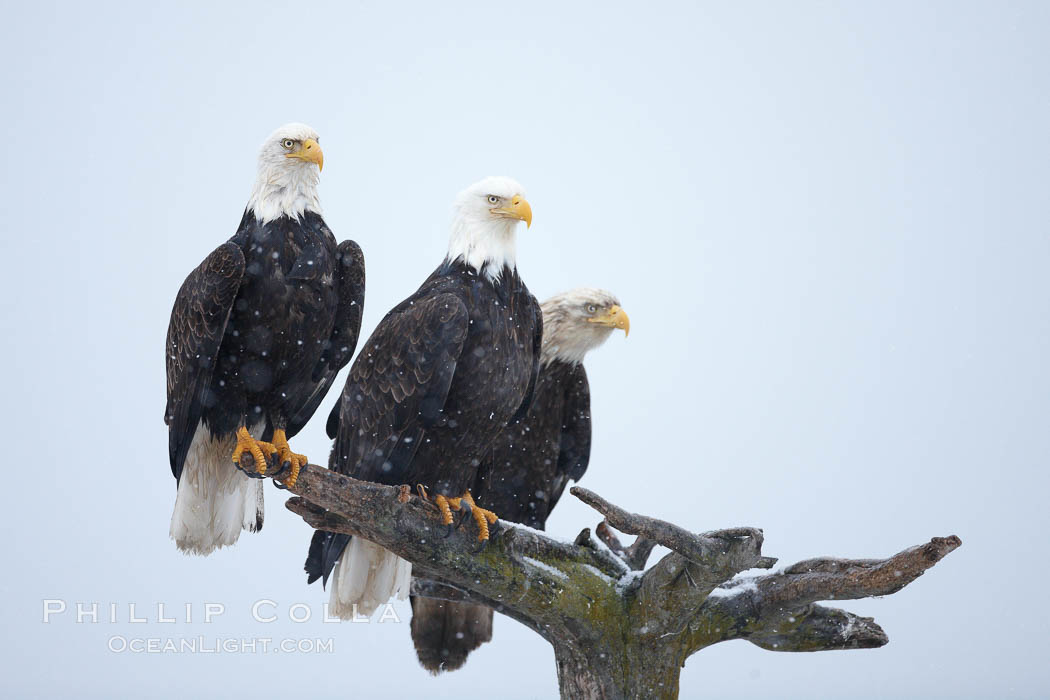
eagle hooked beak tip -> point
(519, 209)
(310, 152)
(614, 318)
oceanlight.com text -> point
(120, 644)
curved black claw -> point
(448, 531)
(464, 512)
(481, 547)
(249, 470)
(284, 469)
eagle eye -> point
(493, 199)
(288, 143)
(591, 308)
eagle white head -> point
(577, 321)
(290, 163)
(484, 219)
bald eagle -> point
(437, 381)
(257, 334)
(529, 465)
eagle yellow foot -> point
(445, 509)
(259, 451)
(286, 458)
(482, 517)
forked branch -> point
(619, 631)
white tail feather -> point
(215, 500)
(253, 507)
(365, 577)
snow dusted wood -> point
(696, 548)
(635, 556)
(619, 631)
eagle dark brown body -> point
(437, 381)
(522, 477)
(532, 460)
(529, 464)
(260, 329)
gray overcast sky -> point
(829, 224)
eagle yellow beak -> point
(311, 152)
(614, 318)
(519, 209)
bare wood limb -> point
(606, 535)
(638, 553)
(635, 556)
(619, 632)
(440, 591)
(700, 548)
(662, 532)
(525, 542)
(520, 570)
(676, 587)
(817, 628)
(845, 579)
(779, 608)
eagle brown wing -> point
(198, 322)
(574, 449)
(397, 388)
(537, 344)
(339, 348)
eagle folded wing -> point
(397, 388)
(537, 345)
(340, 346)
(198, 322)
(574, 450)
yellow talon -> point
(443, 507)
(258, 449)
(481, 516)
(285, 454)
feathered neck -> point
(483, 242)
(566, 339)
(284, 189)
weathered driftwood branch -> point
(635, 556)
(696, 548)
(618, 631)
(777, 611)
